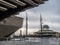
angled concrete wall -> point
(10, 25)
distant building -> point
(46, 32)
(45, 27)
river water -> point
(33, 41)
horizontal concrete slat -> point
(3, 8)
(18, 2)
(7, 4)
(31, 2)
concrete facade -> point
(10, 7)
(10, 25)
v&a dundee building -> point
(10, 23)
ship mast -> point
(26, 24)
(41, 24)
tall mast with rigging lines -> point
(41, 24)
(26, 24)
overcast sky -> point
(50, 12)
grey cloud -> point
(55, 29)
(51, 5)
(50, 12)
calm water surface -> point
(33, 41)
